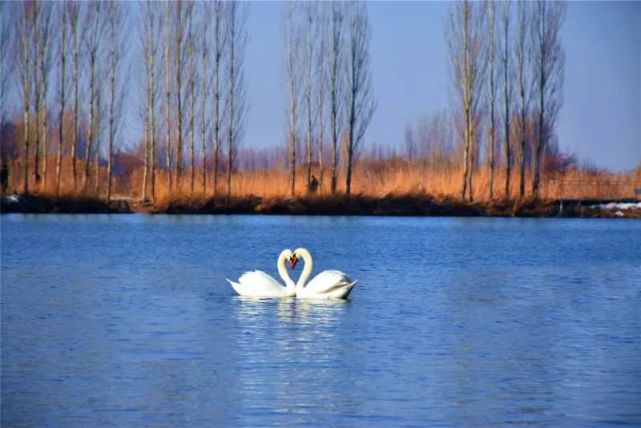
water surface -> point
(127, 320)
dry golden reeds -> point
(372, 180)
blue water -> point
(127, 320)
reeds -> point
(371, 178)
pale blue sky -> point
(601, 116)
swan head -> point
(298, 254)
(293, 260)
(286, 255)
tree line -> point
(329, 88)
(507, 67)
(69, 64)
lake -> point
(127, 320)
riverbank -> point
(389, 205)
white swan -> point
(259, 284)
(329, 284)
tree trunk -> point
(192, 98)
(167, 71)
(62, 98)
(90, 128)
(26, 95)
(506, 97)
(112, 92)
(76, 95)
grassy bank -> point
(388, 205)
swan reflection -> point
(283, 346)
(299, 311)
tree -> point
(549, 64)
(168, 88)
(523, 85)
(321, 83)
(491, 89)
(308, 61)
(204, 90)
(41, 16)
(465, 42)
(335, 83)
(360, 99)
(6, 66)
(292, 69)
(115, 19)
(180, 52)
(220, 41)
(24, 38)
(150, 41)
(61, 91)
(93, 43)
(73, 10)
(507, 90)
(237, 17)
(191, 82)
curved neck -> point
(282, 270)
(307, 270)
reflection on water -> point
(127, 320)
(290, 345)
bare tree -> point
(42, 66)
(73, 10)
(93, 43)
(150, 42)
(411, 148)
(360, 99)
(61, 92)
(321, 82)
(292, 69)
(191, 82)
(115, 20)
(204, 89)
(24, 38)
(335, 83)
(101, 78)
(507, 90)
(6, 66)
(168, 88)
(491, 89)
(549, 64)
(220, 41)
(523, 85)
(464, 36)
(237, 18)
(308, 62)
(180, 58)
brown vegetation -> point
(391, 186)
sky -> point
(601, 116)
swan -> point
(329, 284)
(257, 283)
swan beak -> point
(293, 261)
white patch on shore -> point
(617, 206)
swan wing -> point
(332, 284)
(258, 284)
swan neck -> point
(282, 270)
(307, 270)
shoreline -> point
(417, 205)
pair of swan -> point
(329, 284)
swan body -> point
(259, 284)
(329, 284)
